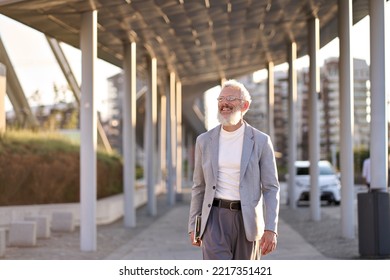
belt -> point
(228, 204)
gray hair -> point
(237, 85)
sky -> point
(37, 68)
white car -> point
(329, 183)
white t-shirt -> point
(229, 163)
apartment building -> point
(328, 106)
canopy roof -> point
(200, 40)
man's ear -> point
(245, 106)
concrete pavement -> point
(165, 237)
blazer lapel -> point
(247, 148)
(214, 148)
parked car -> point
(329, 182)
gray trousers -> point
(224, 237)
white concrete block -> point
(62, 221)
(43, 225)
(3, 241)
(23, 233)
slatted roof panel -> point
(200, 40)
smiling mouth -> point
(226, 110)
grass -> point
(40, 143)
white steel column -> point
(190, 157)
(314, 125)
(378, 126)
(150, 138)
(173, 142)
(179, 139)
(170, 141)
(346, 122)
(292, 132)
(128, 125)
(270, 100)
(2, 98)
(88, 132)
(163, 140)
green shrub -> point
(41, 168)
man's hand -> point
(268, 242)
(197, 242)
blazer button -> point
(213, 187)
(209, 205)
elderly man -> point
(235, 180)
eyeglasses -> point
(229, 98)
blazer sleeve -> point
(270, 186)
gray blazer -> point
(258, 181)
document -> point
(198, 221)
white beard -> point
(233, 119)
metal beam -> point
(2, 98)
(15, 92)
(72, 82)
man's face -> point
(229, 112)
